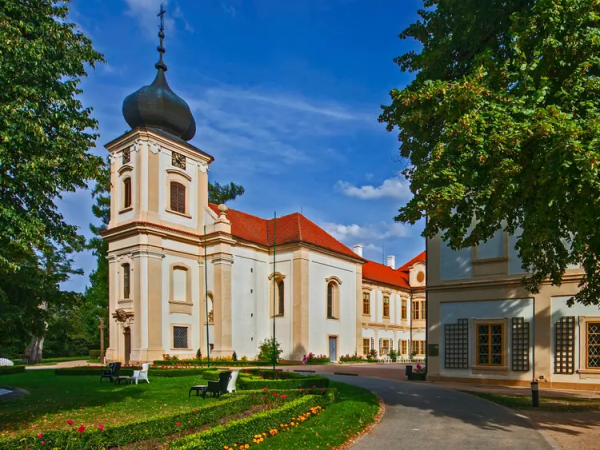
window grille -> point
(456, 345)
(520, 345)
(564, 345)
(180, 337)
(593, 345)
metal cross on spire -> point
(161, 34)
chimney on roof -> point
(358, 250)
(391, 262)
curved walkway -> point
(420, 416)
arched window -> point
(126, 280)
(126, 192)
(331, 294)
(177, 197)
(280, 298)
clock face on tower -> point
(178, 160)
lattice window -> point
(126, 155)
(180, 337)
(520, 345)
(564, 345)
(380, 345)
(490, 344)
(456, 346)
(366, 346)
(391, 344)
(385, 346)
(593, 345)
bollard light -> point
(535, 394)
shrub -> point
(269, 350)
(94, 354)
(243, 431)
(244, 358)
(317, 359)
(120, 435)
(199, 355)
(9, 370)
(167, 371)
(372, 355)
(393, 354)
(234, 356)
(259, 379)
(351, 359)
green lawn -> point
(567, 404)
(84, 400)
(355, 410)
(52, 361)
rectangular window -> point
(418, 347)
(593, 345)
(180, 337)
(366, 303)
(126, 192)
(490, 344)
(385, 346)
(386, 307)
(404, 347)
(366, 346)
(126, 280)
(404, 312)
(418, 310)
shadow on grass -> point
(53, 399)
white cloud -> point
(145, 12)
(351, 234)
(396, 187)
(369, 176)
(260, 130)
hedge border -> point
(243, 431)
(10, 370)
(251, 382)
(127, 371)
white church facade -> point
(187, 275)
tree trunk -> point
(34, 350)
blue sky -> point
(286, 95)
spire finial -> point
(161, 34)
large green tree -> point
(45, 132)
(501, 127)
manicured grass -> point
(355, 409)
(566, 404)
(55, 399)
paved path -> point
(421, 416)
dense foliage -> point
(501, 126)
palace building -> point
(187, 275)
(485, 327)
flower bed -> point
(352, 359)
(240, 433)
(9, 370)
(317, 359)
(78, 436)
(214, 363)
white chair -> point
(141, 374)
(231, 385)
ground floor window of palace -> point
(404, 347)
(385, 346)
(180, 337)
(490, 343)
(366, 346)
(593, 345)
(418, 347)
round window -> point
(420, 277)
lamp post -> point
(274, 288)
(101, 327)
(206, 298)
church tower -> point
(158, 216)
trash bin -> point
(408, 371)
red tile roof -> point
(287, 229)
(297, 228)
(381, 273)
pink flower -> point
(314, 387)
(100, 427)
(265, 389)
(178, 424)
(81, 429)
(40, 435)
(42, 442)
(70, 422)
(197, 410)
(283, 396)
(275, 394)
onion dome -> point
(156, 105)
